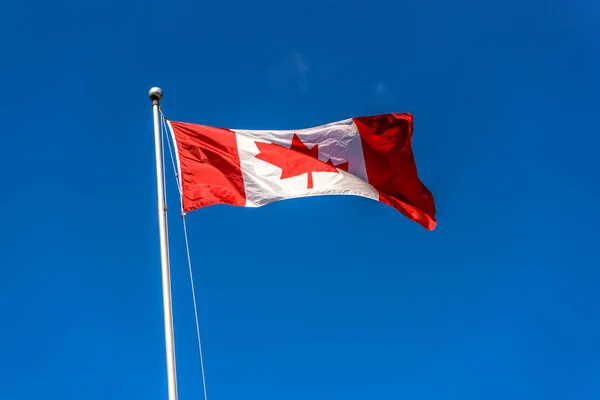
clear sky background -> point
(320, 298)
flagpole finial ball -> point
(155, 93)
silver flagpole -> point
(155, 95)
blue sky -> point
(321, 298)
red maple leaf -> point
(296, 160)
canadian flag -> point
(364, 156)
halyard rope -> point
(187, 246)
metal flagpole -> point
(155, 95)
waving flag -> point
(364, 156)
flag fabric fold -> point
(367, 156)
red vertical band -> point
(210, 166)
(391, 168)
